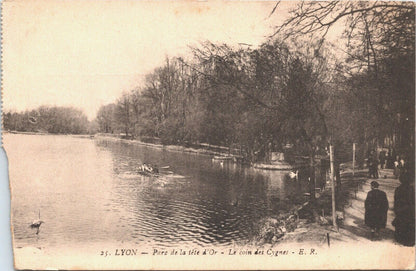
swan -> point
(293, 175)
(36, 224)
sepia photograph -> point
(214, 135)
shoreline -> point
(350, 211)
(176, 148)
(133, 141)
(202, 150)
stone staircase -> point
(354, 211)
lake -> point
(88, 192)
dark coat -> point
(404, 208)
(376, 206)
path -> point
(351, 247)
(353, 230)
(354, 210)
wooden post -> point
(353, 158)
(331, 158)
(327, 239)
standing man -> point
(376, 206)
(382, 159)
(375, 164)
(370, 164)
(404, 208)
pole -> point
(353, 158)
(331, 158)
(327, 239)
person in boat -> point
(145, 168)
(149, 168)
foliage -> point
(259, 100)
(105, 118)
(253, 100)
(375, 84)
(55, 120)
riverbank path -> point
(354, 210)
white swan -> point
(293, 175)
(36, 224)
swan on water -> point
(36, 224)
(293, 175)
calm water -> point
(88, 192)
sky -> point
(87, 53)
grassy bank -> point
(312, 221)
(203, 149)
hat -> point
(374, 184)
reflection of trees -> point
(225, 202)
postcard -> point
(210, 134)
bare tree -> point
(123, 114)
(379, 67)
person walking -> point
(382, 159)
(375, 168)
(396, 171)
(404, 209)
(370, 164)
(390, 160)
(373, 165)
(376, 206)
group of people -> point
(376, 207)
(372, 163)
(386, 159)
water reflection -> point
(204, 202)
(90, 191)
